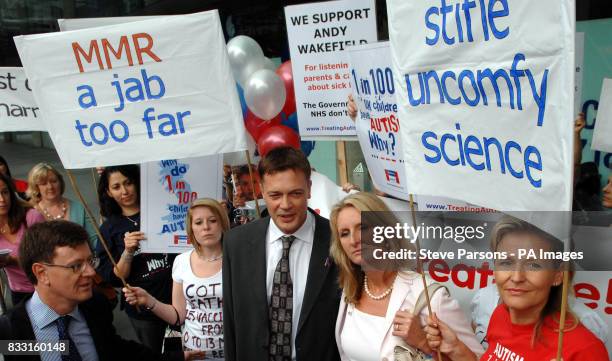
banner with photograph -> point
(167, 189)
(318, 35)
(136, 92)
(483, 96)
(18, 110)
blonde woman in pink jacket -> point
(375, 319)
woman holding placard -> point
(46, 188)
(119, 197)
(15, 218)
(525, 326)
(197, 289)
(382, 308)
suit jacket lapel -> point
(317, 269)
(257, 252)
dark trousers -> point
(150, 333)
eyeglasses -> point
(78, 268)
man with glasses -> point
(57, 259)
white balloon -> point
(268, 64)
(265, 94)
(245, 56)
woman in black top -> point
(119, 197)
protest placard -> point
(602, 134)
(18, 110)
(377, 122)
(483, 91)
(84, 23)
(136, 92)
(167, 189)
(318, 34)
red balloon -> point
(286, 74)
(255, 126)
(277, 136)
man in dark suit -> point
(280, 293)
(56, 258)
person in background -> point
(119, 197)
(15, 217)
(19, 185)
(376, 309)
(606, 198)
(243, 191)
(57, 259)
(525, 325)
(586, 189)
(46, 189)
(197, 289)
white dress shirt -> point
(299, 259)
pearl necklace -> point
(51, 217)
(367, 290)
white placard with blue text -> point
(486, 93)
(377, 122)
(18, 110)
(319, 34)
(136, 92)
(167, 189)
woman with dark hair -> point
(525, 326)
(15, 218)
(119, 197)
(19, 185)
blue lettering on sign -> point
(472, 151)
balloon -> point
(286, 74)
(265, 94)
(292, 122)
(277, 136)
(242, 101)
(245, 57)
(256, 126)
(268, 64)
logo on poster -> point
(392, 176)
(181, 239)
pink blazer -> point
(406, 290)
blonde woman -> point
(525, 326)
(197, 290)
(375, 309)
(46, 188)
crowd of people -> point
(288, 286)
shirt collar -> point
(304, 233)
(43, 315)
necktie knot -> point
(62, 325)
(287, 241)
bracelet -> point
(150, 308)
